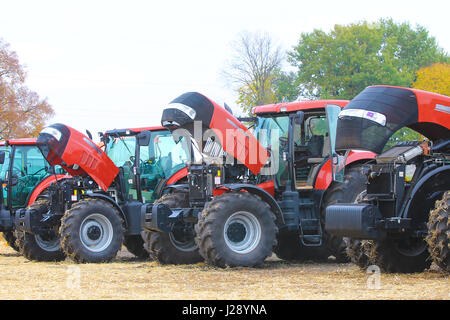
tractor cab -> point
(148, 157)
(22, 168)
(303, 133)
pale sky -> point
(115, 64)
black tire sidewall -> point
(78, 250)
(260, 211)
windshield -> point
(267, 128)
(120, 150)
(157, 161)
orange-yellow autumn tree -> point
(434, 78)
(22, 112)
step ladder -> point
(310, 228)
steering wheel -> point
(141, 162)
(22, 173)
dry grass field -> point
(127, 278)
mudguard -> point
(260, 192)
(420, 200)
(44, 184)
(324, 177)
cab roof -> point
(287, 107)
(24, 141)
(132, 131)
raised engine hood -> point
(203, 118)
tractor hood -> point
(76, 153)
(214, 129)
(374, 115)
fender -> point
(165, 185)
(263, 194)
(324, 178)
(419, 199)
(44, 184)
(110, 200)
(177, 176)
(175, 187)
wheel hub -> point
(236, 232)
(242, 232)
(94, 232)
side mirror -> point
(143, 138)
(2, 157)
(299, 116)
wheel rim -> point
(411, 247)
(183, 244)
(50, 244)
(96, 232)
(242, 232)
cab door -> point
(28, 168)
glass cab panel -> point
(28, 169)
(311, 145)
(157, 161)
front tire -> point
(37, 247)
(91, 231)
(236, 229)
(439, 234)
(177, 247)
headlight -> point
(365, 114)
(183, 108)
(53, 132)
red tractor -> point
(249, 195)
(99, 207)
(25, 176)
(401, 222)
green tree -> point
(342, 62)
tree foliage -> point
(341, 63)
(434, 78)
(254, 69)
(23, 113)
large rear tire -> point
(91, 231)
(10, 239)
(40, 248)
(353, 185)
(135, 245)
(236, 229)
(439, 233)
(176, 247)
